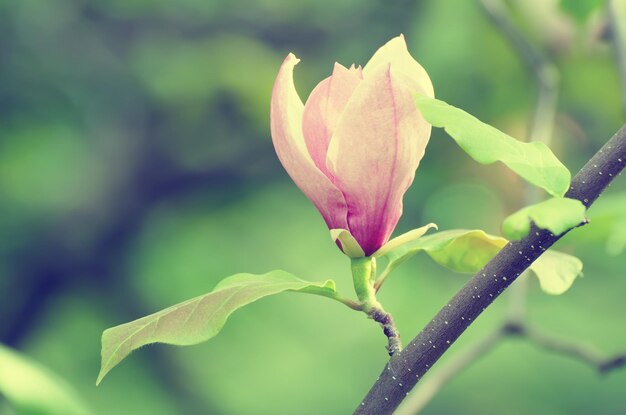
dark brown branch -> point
(405, 369)
(426, 391)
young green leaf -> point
(201, 318)
(460, 250)
(533, 161)
(556, 271)
(467, 251)
(31, 389)
(556, 215)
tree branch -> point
(426, 391)
(405, 369)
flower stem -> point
(363, 276)
(362, 272)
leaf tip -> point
(106, 360)
(100, 377)
(104, 370)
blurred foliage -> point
(136, 171)
(580, 9)
(34, 390)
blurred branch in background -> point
(542, 69)
(541, 128)
(586, 354)
(616, 10)
(426, 391)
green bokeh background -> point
(136, 171)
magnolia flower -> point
(353, 148)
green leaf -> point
(533, 161)
(201, 318)
(556, 271)
(468, 251)
(32, 389)
(460, 250)
(556, 215)
(580, 9)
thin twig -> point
(394, 344)
(405, 368)
(574, 349)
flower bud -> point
(353, 148)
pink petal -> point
(323, 109)
(286, 125)
(374, 152)
(405, 68)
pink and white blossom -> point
(355, 144)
